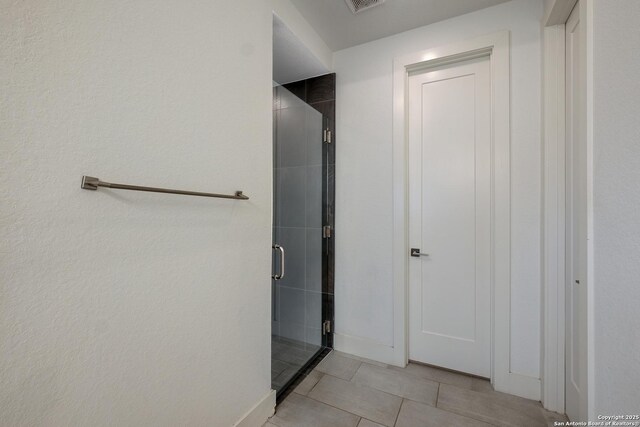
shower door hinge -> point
(326, 231)
(326, 327)
(327, 136)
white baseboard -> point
(259, 414)
(521, 385)
(363, 347)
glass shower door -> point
(297, 236)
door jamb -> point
(553, 260)
(497, 47)
(554, 198)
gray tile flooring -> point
(349, 391)
(287, 357)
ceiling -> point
(340, 28)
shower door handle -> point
(281, 273)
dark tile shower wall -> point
(320, 93)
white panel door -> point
(576, 211)
(450, 216)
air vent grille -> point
(360, 5)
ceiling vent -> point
(360, 5)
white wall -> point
(364, 299)
(616, 201)
(126, 308)
(306, 34)
(292, 59)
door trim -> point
(553, 199)
(553, 286)
(497, 46)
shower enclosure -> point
(298, 327)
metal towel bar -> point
(91, 183)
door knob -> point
(416, 253)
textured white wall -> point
(364, 294)
(616, 201)
(126, 308)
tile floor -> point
(287, 357)
(348, 391)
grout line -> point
(396, 395)
(317, 382)
(344, 410)
(470, 416)
(398, 414)
(421, 402)
(334, 407)
(355, 372)
(453, 411)
(340, 409)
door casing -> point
(576, 277)
(497, 47)
(554, 199)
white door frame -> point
(497, 47)
(554, 146)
